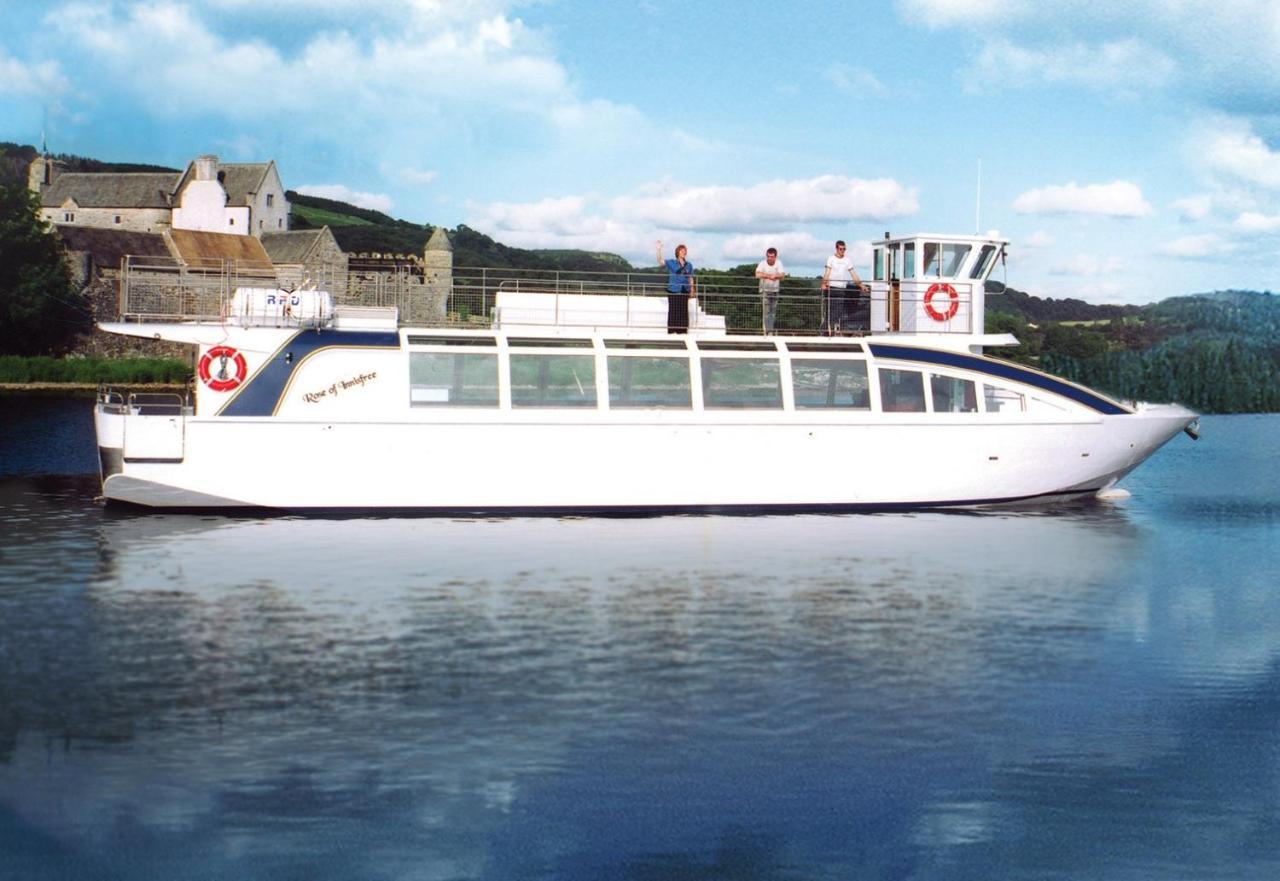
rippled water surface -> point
(1090, 691)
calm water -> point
(1092, 692)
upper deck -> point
(921, 284)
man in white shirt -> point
(770, 272)
(835, 283)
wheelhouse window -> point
(552, 380)
(909, 260)
(1002, 400)
(741, 384)
(826, 385)
(453, 379)
(901, 391)
(878, 265)
(641, 381)
(982, 265)
(944, 260)
(953, 395)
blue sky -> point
(1130, 152)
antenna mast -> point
(977, 208)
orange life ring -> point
(952, 307)
(228, 372)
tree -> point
(40, 308)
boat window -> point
(546, 380)
(417, 340)
(741, 383)
(830, 384)
(453, 379)
(549, 342)
(983, 264)
(825, 348)
(1002, 400)
(645, 344)
(953, 257)
(944, 260)
(953, 395)
(878, 268)
(737, 346)
(649, 382)
(901, 391)
(909, 260)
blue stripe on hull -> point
(1005, 371)
(262, 393)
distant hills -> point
(361, 230)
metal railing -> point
(153, 289)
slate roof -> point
(291, 247)
(239, 179)
(109, 246)
(195, 248)
(136, 190)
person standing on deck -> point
(770, 272)
(835, 283)
(680, 287)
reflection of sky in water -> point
(1087, 693)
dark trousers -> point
(678, 312)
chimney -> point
(206, 166)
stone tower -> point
(437, 262)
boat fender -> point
(952, 307)
(222, 368)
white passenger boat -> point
(581, 402)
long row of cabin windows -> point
(470, 379)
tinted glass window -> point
(901, 391)
(909, 260)
(457, 379)
(830, 384)
(741, 383)
(649, 382)
(545, 380)
(952, 395)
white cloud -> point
(1253, 221)
(1088, 265)
(629, 224)
(1194, 207)
(1038, 239)
(1117, 199)
(1230, 147)
(795, 249)
(1192, 247)
(769, 204)
(943, 13)
(1121, 64)
(21, 78)
(854, 81)
(375, 201)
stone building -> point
(209, 196)
(307, 258)
(240, 198)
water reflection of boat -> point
(580, 403)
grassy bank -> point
(16, 370)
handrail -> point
(159, 289)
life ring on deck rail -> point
(222, 368)
(952, 307)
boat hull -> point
(650, 462)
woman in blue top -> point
(680, 287)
